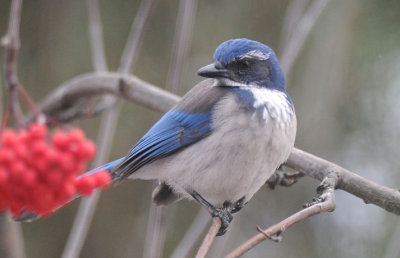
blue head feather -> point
(234, 49)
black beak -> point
(210, 71)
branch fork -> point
(324, 202)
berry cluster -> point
(39, 172)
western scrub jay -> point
(224, 139)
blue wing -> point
(174, 131)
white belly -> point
(235, 161)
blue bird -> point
(224, 139)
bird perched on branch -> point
(225, 137)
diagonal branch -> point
(209, 238)
(324, 203)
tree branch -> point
(370, 192)
(94, 84)
(324, 203)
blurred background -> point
(344, 84)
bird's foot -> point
(239, 205)
(283, 178)
(226, 218)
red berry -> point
(87, 149)
(102, 178)
(76, 135)
(16, 207)
(3, 176)
(21, 151)
(43, 198)
(53, 158)
(85, 185)
(67, 163)
(60, 139)
(54, 178)
(41, 164)
(39, 148)
(17, 170)
(23, 137)
(29, 178)
(38, 131)
(8, 138)
(65, 192)
(7, 155)
(38, 177)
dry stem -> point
(209, 238)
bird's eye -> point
(243, 64)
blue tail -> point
(106, 167)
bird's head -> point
(244, 62)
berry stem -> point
(29, 101)
(12, 43)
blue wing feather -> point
(174, 131)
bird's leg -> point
(222, 213)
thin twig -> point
(192, 234)
(296, 42)
(209, 238)
(11, 42)
(96, 36)
(129, 55)
(11, 238)
(1, 101)
(294, 12)
(182, 41)
(155, 233)
(29, 101)
(324, 203)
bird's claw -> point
(225, 216)
(239, 205)
(283, 178)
